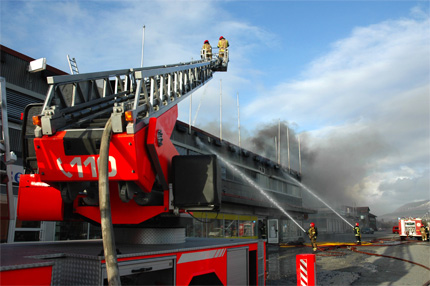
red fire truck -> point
(410, 227)
(99, 150)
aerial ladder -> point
(107, 134)
(141, 105)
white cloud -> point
(367, 107)
(361, 74)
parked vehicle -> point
(367, 230)
(396, 229)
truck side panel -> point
(27, 276)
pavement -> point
(382, 259)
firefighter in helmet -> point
(206, 51)
(222, 45)
(312, 233)
(357, 233)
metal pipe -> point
(143, 43)
(279, 142)
(288, 148)
(276, 147)
(238, 118)
(189, 115)
(220, 110)
(105, 211)
(300, 158)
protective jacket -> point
(312, 232)
(357, 231)
(423, 233)
(223, 44)
(207, 48)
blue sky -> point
(350, 77)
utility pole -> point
(189, 120)
(220, 110)
(276, 148)
(238, 117)
(143, 43)
(279, 142)
(288, 147)
(300, 158)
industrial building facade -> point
(245, 213)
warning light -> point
(129, 116)
(37, 120)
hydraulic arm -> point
(62, 156)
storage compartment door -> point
(157, 271)
(237, 266)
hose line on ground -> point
(387, 256)
(105, 211)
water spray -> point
(321, 200)
(251, 182)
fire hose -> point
(330, 252)
(353, 248)
(105, 211)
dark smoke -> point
(263, 143)
(333, 166)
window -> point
(223, 173)
(181, 150)
(230, 227)
(76, 230)
(263, 181)
(222, 225)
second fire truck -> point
(410, 227)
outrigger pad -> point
(197, 182)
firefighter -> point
(423, 233)
(427, 232)
(312, 233)
(357, 233)
(207, 50)
(222, 45)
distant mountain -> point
(416, 209)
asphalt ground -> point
(382, 259)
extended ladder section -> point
(129, 97)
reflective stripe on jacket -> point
(357, 231)
(311, 232)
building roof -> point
(363, 209)
(29, 59)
